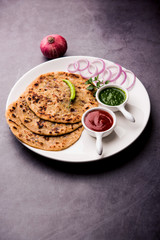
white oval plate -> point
(84, 149)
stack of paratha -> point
(43, 116)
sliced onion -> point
(119, 70)
(105, 73)
(80, 68)
(101, 70)
(90, 73)
(125, 77)
(94, 73)
(72, 67)
(109, 75)
(134, 78)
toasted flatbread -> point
(53, 143)
(41, 126)
(48, 97)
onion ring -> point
(134, 79)
(103, 65)
(84, 68)
(109, 75)
(125, 77)
(72, 65)
(118, 73)
(91, 74)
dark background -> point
(117, 198)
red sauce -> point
(98, 120)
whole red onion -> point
(53, 46)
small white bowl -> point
(99, 135)
(120, 107)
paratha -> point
(53, 143)
(49, 97)
(40, 126)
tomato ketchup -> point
(98, 120)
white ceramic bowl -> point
(99, 135)
(120, 107)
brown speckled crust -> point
(49, 97)
(52, 143)
(40, 126)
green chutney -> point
(112, 96)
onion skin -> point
(53, 46)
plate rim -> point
(66, 160)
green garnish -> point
(94, 84)
(112, 96)
(72, 89)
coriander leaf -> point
(98, 84)
(96, 78)
(95, 84)
(106, 82)
(90, 87)
(89, 81)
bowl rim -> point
(104, 109)
(116, 86)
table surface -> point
(115, 198)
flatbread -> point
(49, 97)
(40, 126)
(47, 143)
